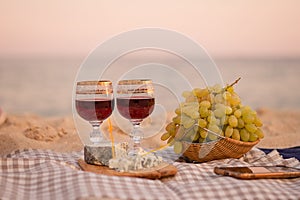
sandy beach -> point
(32, 131)
(281, 129)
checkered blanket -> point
(42, 174)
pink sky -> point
(253, 28)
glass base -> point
(136, 136)
(97, 139)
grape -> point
(190, 99)
(219, 105)
(196, 128)
(228, 110)
(212, 137)
(217, 88)
(165, 136)
(170, 140)
(219, 98)
(246, 110)
(187, 122)
(232, 121)
(205, 104)
(205, 92)
(234, 100)
(194, 115)
(253, 137)
(254, 113)
(178, 111)
(224, 120)
(197, 92)
(171, 127)
(235, 134)
(238, 113)
(180, 131)
(214, 128)
(251, 128)
(212, 119)
(230, 89)
(218, 122)
(177, 119)
(190, 134)
(228, 131)
(187, 94)
(190, 104)
(202, 123)
(241, 123)
(245, 135)
(203, 112)
(178, 147)
(191, 111)
(257, 122)
(200, 92)
(212, 98)
(226, 95)
(203, 134)
(222, 133)
(259, 133)
(248, 118)
(219, 112)
(194, 137)
(202, 140)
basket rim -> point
(225, 138)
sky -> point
(231, 28)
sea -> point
(44, 86)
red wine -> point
(135, 107)
(94, 109)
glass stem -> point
(136, 135)
(96, 136)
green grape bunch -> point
(211, 112)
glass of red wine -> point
(95, 103)
(135, 101)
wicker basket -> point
(222, 148)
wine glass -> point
(135, 101)
(94, 103)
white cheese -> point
(125, 163)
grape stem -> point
(235, 82)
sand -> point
(31, 131)
(281, 129)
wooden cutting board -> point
(158, 172)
